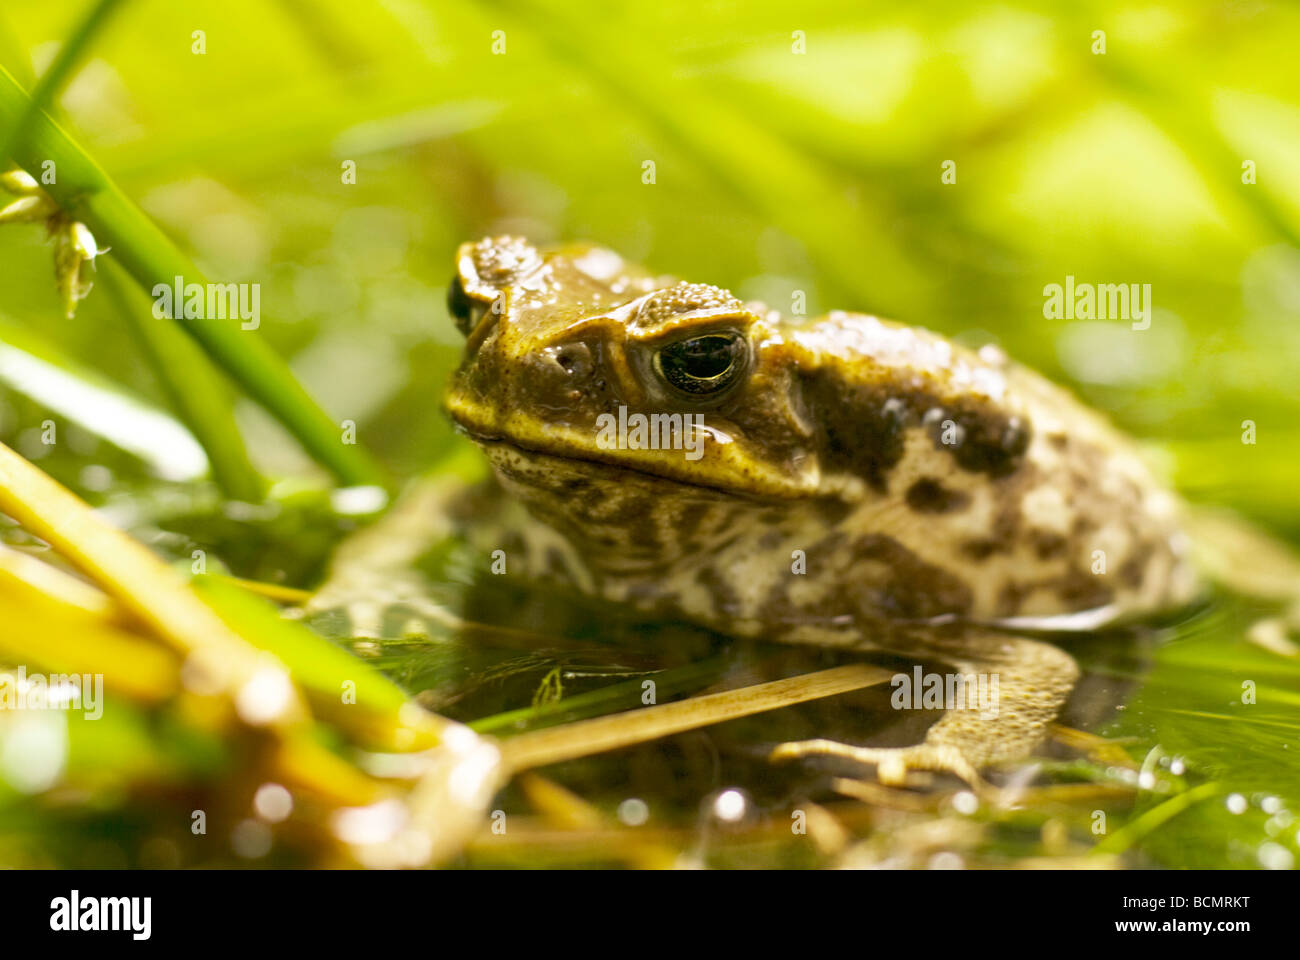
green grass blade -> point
(342, 688)
(65, 62)
(85, 192)
(12, 55)
(197, 394)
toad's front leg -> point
(1029, 682)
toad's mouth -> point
(564, 461)
(724, 472)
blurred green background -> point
(794, 149)
(774, 171)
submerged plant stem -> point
(1127, 836)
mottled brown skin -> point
(934, 496)
(921, 480)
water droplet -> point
(633, 812)
(1274, 856)
(272, 802)
(730, 806)
(251, 839)
(965, 802)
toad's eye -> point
(703, 367)
(459, 305)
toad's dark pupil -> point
(459, 304)
(701, 366)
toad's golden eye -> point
(703, 367)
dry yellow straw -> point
(585, 737)
(127, 571)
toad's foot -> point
(1022, 685)
(892, 763)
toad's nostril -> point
(573, 358)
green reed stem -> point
(65, 62)
(198, 395)
(87, 194)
